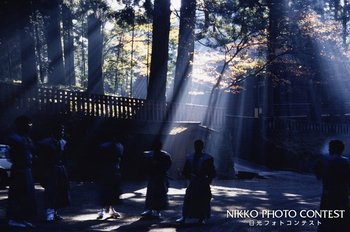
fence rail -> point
(50, 101)
(58, 101)
(287, 125)
(307, 126)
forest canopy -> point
(105, 46)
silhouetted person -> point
(157, 163)
(51, 151)
(199, 169)
(21, 197)
(334, 171)
(109, 179)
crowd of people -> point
(333, 170)
(22, 206)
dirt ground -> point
(276, 191)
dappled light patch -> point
(282, 190)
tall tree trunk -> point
(185, 49)
(337, 5)
(38, 46)
(29, 72)
(271, 95)
(95, 81)
(68, 45)
(345, 20)
(83, 54)
(9, 40)
(160, 43)
(132, 58)
(3, 39)
(51, 12)
(9, 61)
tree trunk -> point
(29, 72)
(185, 49)
(52, 19)
(83, 54)
(345, 20)
(159, 59)
(9, 41)
(271, 95)
(132, 58)
(39, 50)
(95, 81)
(68, 45)
(116, 83)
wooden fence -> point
(286, 125)
(307, 126)
(57, 101)
(50, 101)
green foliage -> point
(237, 29)
(303, 38)
(235, 40)
(127, 48)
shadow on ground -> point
(276, 191)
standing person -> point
(55, 177)
(199, 169)
(334, 171)
(109, 178)
(22, 208)
(158, 163)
